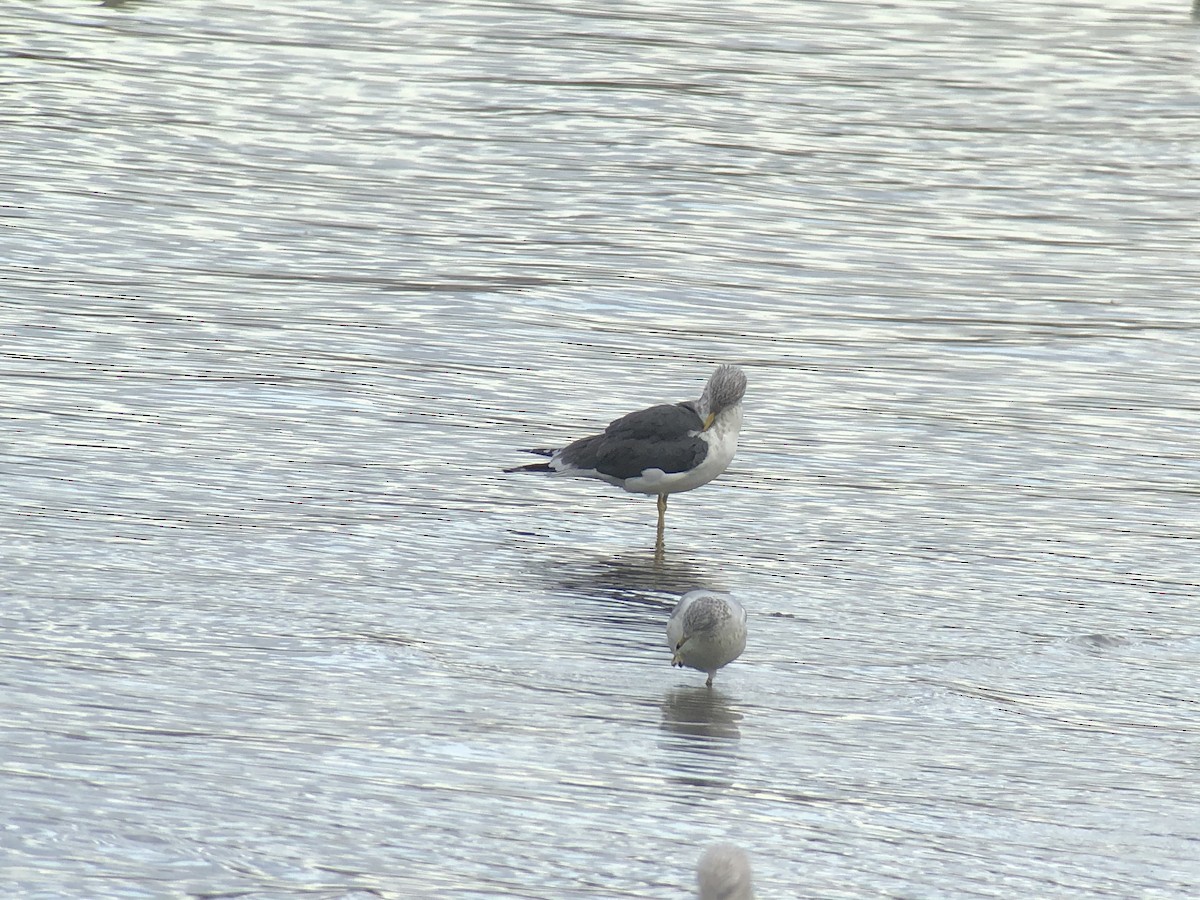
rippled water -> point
(284, 290)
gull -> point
(723, 873)
(661, 450)
(706, 631)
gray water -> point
(283, 290)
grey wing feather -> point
(663, 422)
(661, 437)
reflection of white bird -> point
(661, 450)
(706, 631)
(723, 873)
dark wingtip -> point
(532, 467)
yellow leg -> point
(662, 521)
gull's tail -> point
(535, 467)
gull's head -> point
(723, 873)
(725, 390)
(677, 657)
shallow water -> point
(284, 291)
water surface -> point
(284, 290)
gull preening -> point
(706, 631)
(661, 450)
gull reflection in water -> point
(700, 713)
(702, 734)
